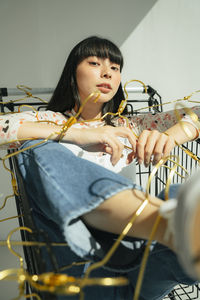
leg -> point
(114, 214)
(163, 271)
(63, 188)
(107, 200)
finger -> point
(107, 149)
(159, 148)
(141, 145)
(151, 143)
(116, 149)
(127, 133)
(163, 147)
(130, 157)
(169, 146)
(132, 139)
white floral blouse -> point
(9, 124)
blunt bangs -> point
(102, 48)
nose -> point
(106, 73)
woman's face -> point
(98, 74)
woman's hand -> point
(105, 139)
(152, 146)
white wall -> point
(37, 35)
(164, 50)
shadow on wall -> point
(115, 19)
(43, 33)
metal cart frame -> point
(35, 263)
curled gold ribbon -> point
(60, 284)
(161, 163)
(9, 243)
(193, 117)
(124, 103)
(73, 119)
(66, 285)
(26, 90)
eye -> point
(115, 68)
(93, 63)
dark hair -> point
(66, 93)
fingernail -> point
(156, 159)
(140, 161)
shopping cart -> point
(187, 156)
(33, 258)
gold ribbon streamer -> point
(186, 98)
(124, 102)
(73, 119)
(158, 218)
(26, 90)
(193, 117)
(89, 281)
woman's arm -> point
(38, 131)
(179, 133)
(10, 124)
(153, 145)
(104, 138)
(159, 121)
(25, 125)
(152, 142)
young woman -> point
(73, 186)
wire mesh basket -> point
(158, 183)
(184, 292)
(187, 154)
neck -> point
(91, 111)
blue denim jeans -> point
(61, 188)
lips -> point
(105, 85)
